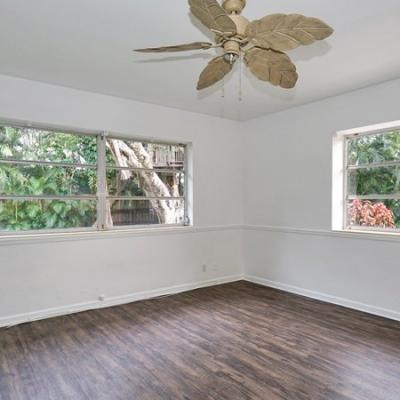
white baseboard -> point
(118, 300)
(112, 301)
(381, 312)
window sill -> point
(47, 236)
(368, 234)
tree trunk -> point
(136, 156)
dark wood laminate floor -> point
(235, 341)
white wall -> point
(288, 238)
(66, 272)
(272, 174)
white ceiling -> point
(86, 44)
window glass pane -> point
(21, 215)
(374, 213)
(41, 145)
(365, 181)
(125, 153)
(374, 148)
(145, 183)
(133, 169)
(37, 180)
(146, 212)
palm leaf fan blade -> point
(216, 70)
(284, 32)
(177, 48)
(213, 16)
(272, 66)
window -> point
(371, 179)
(51, 180)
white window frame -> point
(340, 176)
(101, 196)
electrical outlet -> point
(204, 267)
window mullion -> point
(374, 197)
(48, 197)
(139, 198)
(186, 216)
(13, 161)
(101, 182)
(345, 183)
(384, 164)
(157, 170)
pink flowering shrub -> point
(366, 213)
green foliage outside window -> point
(36, 180)
(383, 180)
(77, 176)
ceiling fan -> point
(262, 42)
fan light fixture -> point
(262, 42)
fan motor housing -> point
(232, 47)
(234, 6)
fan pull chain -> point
(240, 77)
(223, 88)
